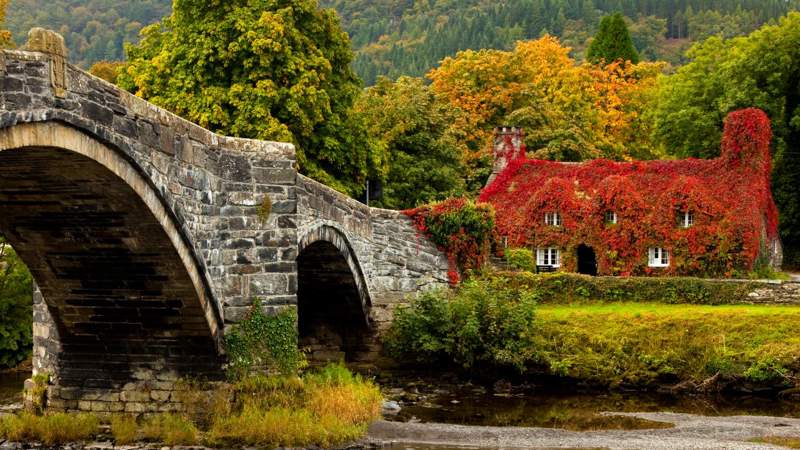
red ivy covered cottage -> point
(685, 217)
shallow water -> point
(431, 400)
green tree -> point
(264, 69)
(612, 42)
(16, 313)
(424, 149)
(761, 70)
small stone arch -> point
(332, 295)
(332, 235)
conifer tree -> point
(612, 42)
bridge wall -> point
(211, 190)
(395, 259)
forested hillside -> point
(94, 29)
(406, 37)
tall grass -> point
(50, 429)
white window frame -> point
(611, 217)
(552, 219)
(658, 257)
(548, 257)
(687, 219)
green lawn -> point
(642, 343)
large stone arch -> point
(119, 277)
(332, 292)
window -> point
(611, 217)
(659, 257)
(686, 219)
(552, 219)
(548, 257)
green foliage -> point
(564, 288)
(94, 30)
(425, 158)
(262, 341)
(521, 258)
(264, 69)
(16, 310)
(612, 42)
(393, 39)
(761, 70)
(477, 326)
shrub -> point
(16, 313)
(480, 323)
(571, 288)
(264, 341)
(521, 258)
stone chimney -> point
(509, 144)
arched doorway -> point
(587, 260)
(331, 315)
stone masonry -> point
(147, 236)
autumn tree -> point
(265, 69)
(423, 147)
(761, 70)
(570, 112)
(108, 70)
(6, 40)
(612, 42)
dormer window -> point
(686, 219)
(548, 257)
(611, 218)
(553, 219)
(658, 257)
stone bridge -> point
(148, 235)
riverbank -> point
(689, 432)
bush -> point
(264, 341)
(479, 324)
(570, 288)
(521, 258)
(16, 313)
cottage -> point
(679, 217)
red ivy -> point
(730, 198)
(459, 227)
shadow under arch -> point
(119, 280)
(333, 298)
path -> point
(690, 432)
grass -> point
(641, 343)
(124, 429)
(325, 408)
(50, 429)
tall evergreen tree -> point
(612, 42)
